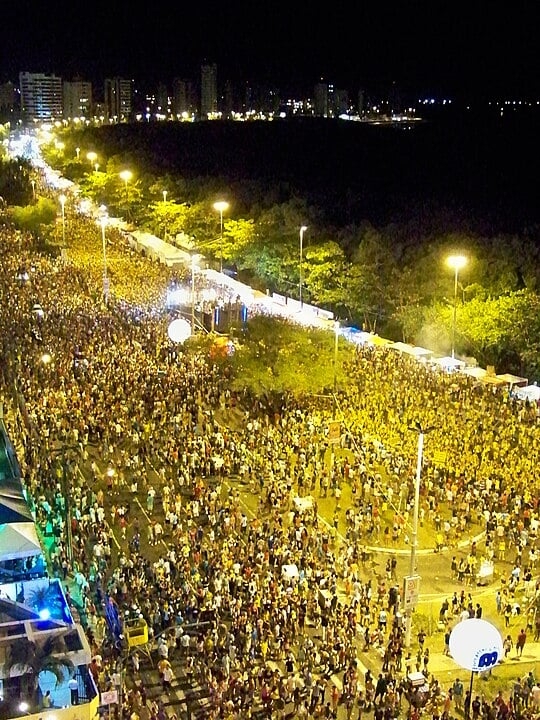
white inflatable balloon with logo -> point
(476, 645)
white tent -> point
(476, 372)
(449, 363)
(410, 349)
(18, 540)
(158, 249)
(513, 380)
(530, 393)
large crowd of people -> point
(264, 607)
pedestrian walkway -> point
(444, 667)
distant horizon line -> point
(375, 85)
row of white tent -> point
(514, 383)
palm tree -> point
(45, 596)
(28, 659)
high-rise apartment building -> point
(118, 99)
(208, 91)
(184, 98)
(41, 96)
(341, 103)
(77, 97)
(320, 100)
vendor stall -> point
(485, 573)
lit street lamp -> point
(67, 462)
(456, 262)
(63, 199)
(103, 222)
(336, 344)
(91, 157)
(126, 176)
(412, 577)
(221, 206)
(193, 294)
(302, 231)
(164, 196)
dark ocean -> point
(475, 170)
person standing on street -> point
(446, 650)
(457, 691)
(520, 642)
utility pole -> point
(412, 581)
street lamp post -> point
(414, 534)
(336, 344)
(302, 231)
(221, 206)
(33, 183)
(103, 222)
(91, 157)
(456, 262)
(193, 294)
(126, 176)
(63, 199)
(164, 196)
(67, 490)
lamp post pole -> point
(62, 199)
(126, 176)
(221, 240)
(67, 495)
(193, 294)
(455, 312)
(456, 262)
(414, 534)
(221, 206)
(302, 231)
(336, 344)
(103, 222)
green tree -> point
(370, 279)
(34, 217)
(325, 271)
(279, 355)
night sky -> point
(434, 47)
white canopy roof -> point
(18, 540)
(410, 349)
(530, 393)
(476, 372)
(513, 379)
(449, 362)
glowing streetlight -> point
(336, 345)
(164, 196)
(126, 176)
(412, 580)
(302, 231)
(91, 157)
(457, 262)
(193, 294)
(221, 206)
(77, 152)
(63, 199)
(33, 183)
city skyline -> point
(455, 50)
